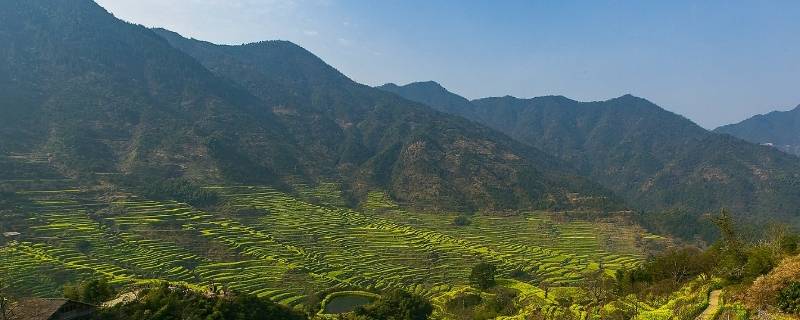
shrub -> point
(461, 220)
(464, 301)
(521, 275)
(789, 298)
(760, 260)
(788, 243)
(174, 302)
(398, 305)
(765, 289)
(83, 246)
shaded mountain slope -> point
(780, 129)
(93, 94)
(100, 95)
(423, 157)
(655, 159)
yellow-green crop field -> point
(290, 248)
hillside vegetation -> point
(96, 96)
(159, 177)
(779, 129)
(658, 161)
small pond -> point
(346, 302)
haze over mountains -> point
(655, 159)
(97, 95)
(146, 175)
(780, 129)
(93, 94)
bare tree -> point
(598, 286)
(545, 285)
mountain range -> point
(780, 129)
(656, 160)
(95, 95)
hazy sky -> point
(714, 62)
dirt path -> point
(713, 306)
(123, 298)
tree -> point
(397, 305)
(598, 286)
(730, 251)
(461, 220)
(482, 275)
(83, 246)
(760, 260)
(727, 229)
(678, 264)
(94, 291)
(545, 285)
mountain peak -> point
(426, 85)
(551, 98)
(429, 83)
(777, 128)
(282, 60)
(630, 97)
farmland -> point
(290, 247)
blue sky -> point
(715, 62)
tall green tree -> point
(727, 229)
(93, 291)
(731, 252)
(482, 275)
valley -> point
(286, 248)
(149, 175)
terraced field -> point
(288, 248)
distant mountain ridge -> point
(433, 94)
(92, 94)
(655, 159)
(780, 129)
(343, 116)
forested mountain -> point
(420, 155)
(99, 95)
(656, 159)
(93, 94)
(780, 129)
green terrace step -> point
(382, 247)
